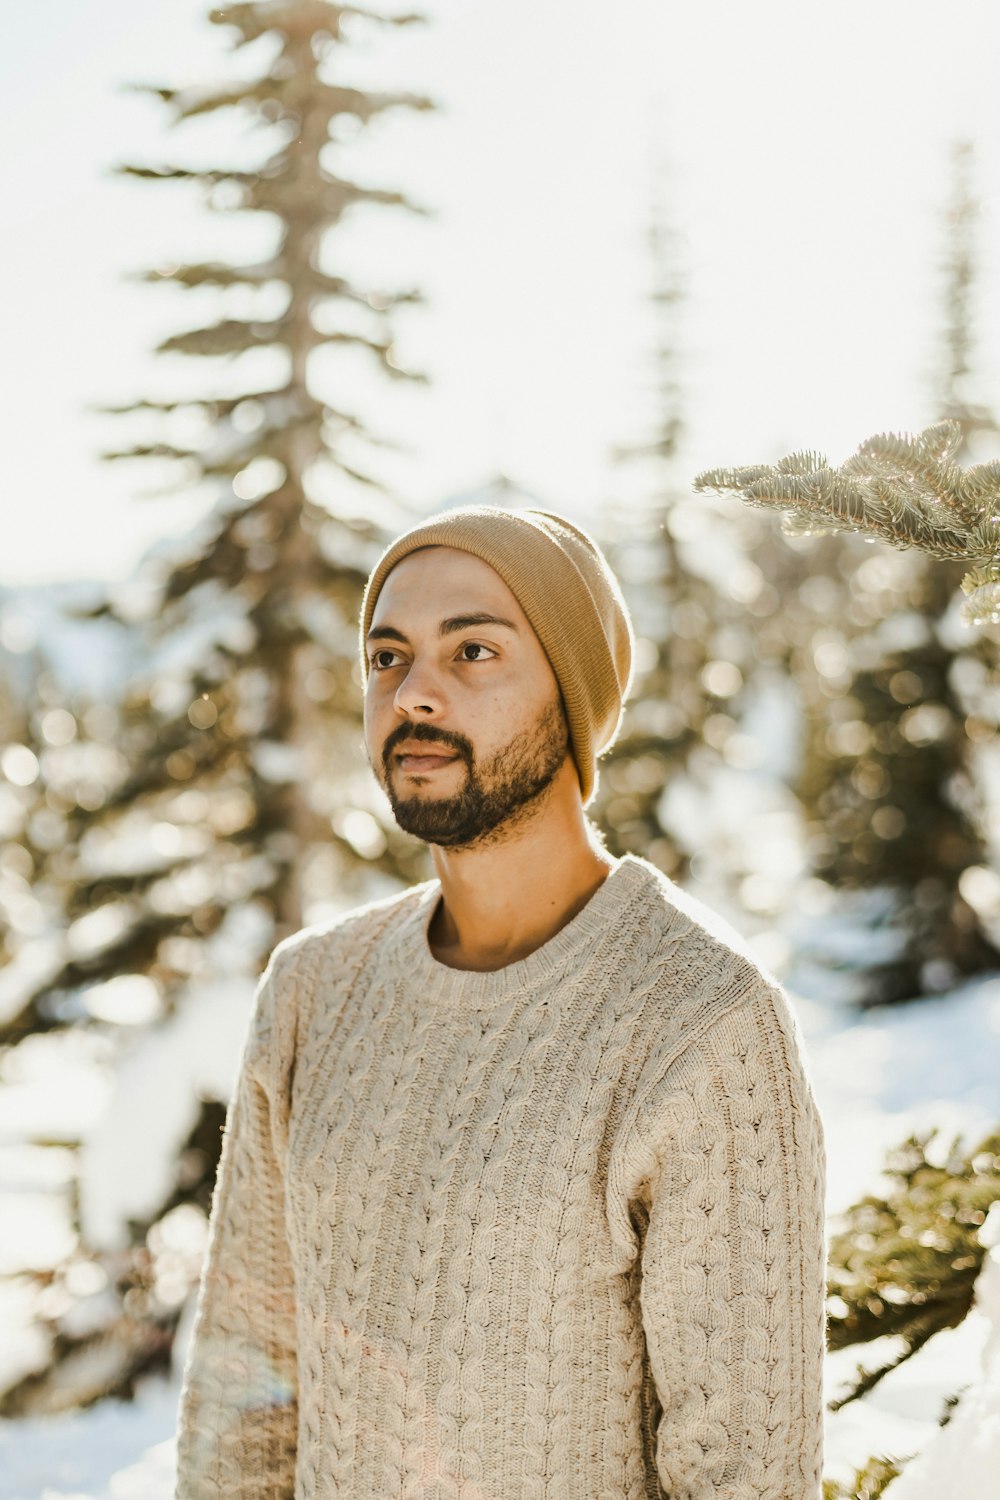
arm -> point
(727, 1165)
(237, 1420)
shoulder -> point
(349, 932)
(692, 933)
(338, 944)
(700, 970)
(711, 1012)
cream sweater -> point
(551, 1231)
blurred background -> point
(284, 277)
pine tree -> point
(714, 644)
(672, 607)
(56, 754)
(951, 393)
(242, 806)
(22, 808)
(887, 775)
(869, 1483)
(905, 1262)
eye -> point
(382, 660)
(476, 646)
(377, 664)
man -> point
(521, 1192)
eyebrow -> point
(447, 627)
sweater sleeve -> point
(237, 1418)
(726, 1172)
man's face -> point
(464, 723)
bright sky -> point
(807, 147)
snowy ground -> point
(878, 1077)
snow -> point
(97, 659)
(964, 1457)
(129, 1159)
(212, 617)
(880, 1077)
(53, 1088)
(35, 962)
(112, 1451)
(899, 1069)
(92, 658)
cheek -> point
(488, 708)
(377, 709)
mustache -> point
(429, 732)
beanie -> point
(562, 581)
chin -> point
(409, 783)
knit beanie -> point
(562, 581)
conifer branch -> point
(906, 489)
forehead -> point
(439, 581)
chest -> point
(498, 1120)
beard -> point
(499, 793)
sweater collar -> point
(473, 989)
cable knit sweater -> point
(554, 1230)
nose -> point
(420, 693)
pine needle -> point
(903, 488)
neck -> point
(508, 897)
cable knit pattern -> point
(551, 1231)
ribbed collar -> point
(438, 984)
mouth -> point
(421, 763)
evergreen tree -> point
(21, 821)
(906, 1262)
(869, 1483)
(672, 607)
(241, 806)
(950, 391)
(887, 779)
(56, 754)
(689, 770)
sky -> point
(801, 151)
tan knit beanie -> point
(561, 579)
